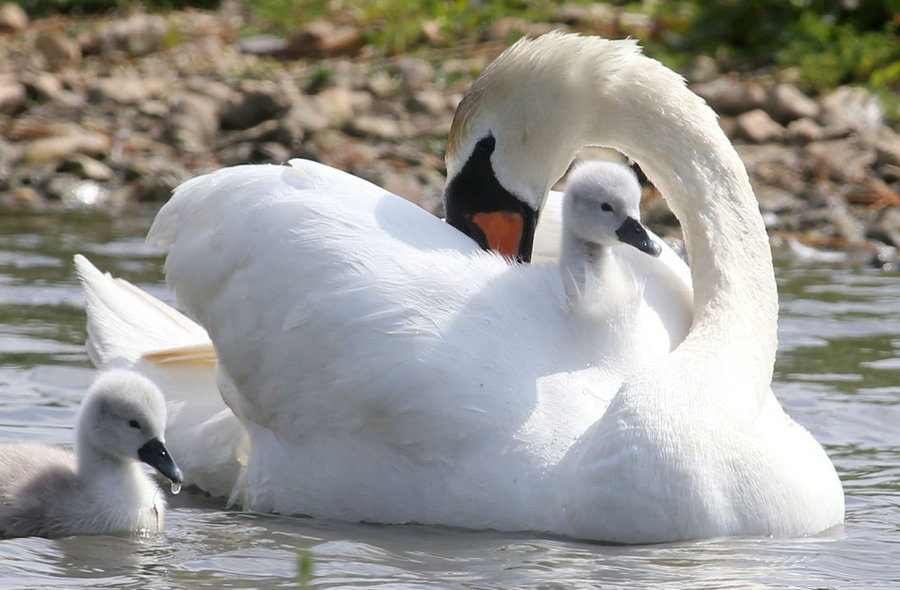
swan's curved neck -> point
(634, 104)
(648, 114)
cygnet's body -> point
(101, 487)
(601, 210)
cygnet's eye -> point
(134, 424)
(606, 207)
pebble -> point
(728, 95)
(757, 126)
(804, 131)
(192, 122)
(58, 50)
(86, 167)
(123, 90)
(852, 108)
(13, 97)
(414, 73)
(13, 18)
(787, 103)
(43, 86)
(56, 148)
(377, 127)
(265, 45)
(258, 100)
(139, 35)
(324, 39)
(843, 160)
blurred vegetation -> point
(37, 8)
(829, 42)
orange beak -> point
(503, 231)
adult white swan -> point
(395, 374)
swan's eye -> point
(606, 207)
(134, 424)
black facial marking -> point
(476, 189)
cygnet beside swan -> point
(601, 211)
(101, 488)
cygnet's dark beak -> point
(155, 454)
(632, 232)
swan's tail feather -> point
(197, 353)
(129, 328)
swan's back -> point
(377, 339)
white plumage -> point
(384, 369)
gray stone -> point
(306, 116)
(13, 18)
(373, 126)
(757, 126)
(851, 108)
(58, 50)
(415, 73)
(324, 39)
(138, 35)
(787, 103)
(12, 96)
(338, 105)
(43, 86)
(804, 131)
(596, 13)
(886, 227)
(729, 95)
(701, 70)
(383, 85)
(192, 122)
(125, 90)
(86, 167)
(843, 160)
(272, 131)
(887, 148)
(429, 101)
(259, 100)
(776, 200)
(263, 45)
(222, 94)
(154, 188)
(75, 140)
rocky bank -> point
(115, 111)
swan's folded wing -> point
(301, 274)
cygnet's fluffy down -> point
(600, 211)
(101, 487)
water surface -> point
(838, 374)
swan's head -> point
(123, 415)
(517, 130)
(601, 206)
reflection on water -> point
(838, 374)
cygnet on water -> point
(101, 487)
(601, 210)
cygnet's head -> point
(123, 415)
(601, 206)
